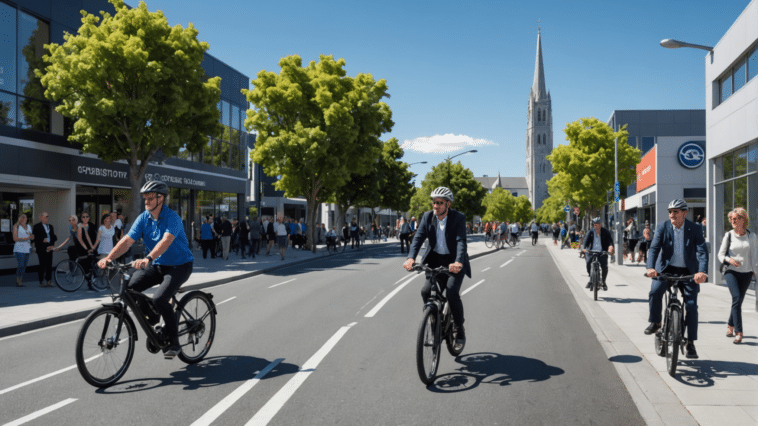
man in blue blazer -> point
(445, 229)
(677, 248)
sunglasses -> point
(438, 203)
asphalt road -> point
(333, 343)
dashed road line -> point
(471, 288)
(379, 305)
(40, 413)
(506, 263)
(275, 285)
(486, 269)
(233, 297)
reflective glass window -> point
(728, 166)
(33, 34)
(740, 76)
(726, 87)
(225, 113)
(752, 159)
(208, 152)
(7, 109)
(34, 114)
(728, 203)
(235, 117)
(7, 48)
(740, 162)
(740, 192)
(647, 143)
(752, 64)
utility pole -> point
(616, 212)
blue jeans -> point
(738, 283)
(22, 259)
(655, 300)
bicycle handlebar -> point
(670, 277)
(435, 271)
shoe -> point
(605, 287)
(50, 284)
(460, 339)
(652, 328)
(729, 331)
(589, 284)
(173, 351)
(738, 340)
(18, 282)
(691, 352)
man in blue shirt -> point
(168, 262)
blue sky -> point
(465, 68)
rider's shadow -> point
(492, 368)
(212, 371)
(702, 373)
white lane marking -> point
(520, 253)
(404, 278)
(265, 414)
(47, 376)
(233, 297)
(471, 288)
(372, 299)
(486, 269)
(40, 413)
(387, 298)
(227, 402)
(40, 329)
(283, 283)
(506, 263)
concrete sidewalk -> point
(31, 307)
(719, 388)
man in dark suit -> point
(445, 229)
(598, 240)
(44, 240)
(678, 247)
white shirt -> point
(118, 224)
(743, 249)
(23, 246)
(441, 247)
(514, 228)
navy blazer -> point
(606, 240)
(455, 237)
(695, 252)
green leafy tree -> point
(468, 192)
(585, 167)
(522, 210)
(134, 86)
(317, 127)
(500, 205)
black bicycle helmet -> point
(678, 204)
(154, 186)
(442, 192)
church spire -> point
(538, 87)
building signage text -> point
(168, 179)
(101, 171)
(646, 170)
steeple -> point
(538, 87)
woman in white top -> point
(741, 261)
(105, 234)
(22, 235)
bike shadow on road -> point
(213, 371)
(492, 368)
(702, 373)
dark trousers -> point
(738, 283)
(254, 247)
(632, 245)
(243, 246)
(208, 245)
(45, 265)
(355, 240)
(603, 264)
(405, 242)
(450, 285)
(643, 250)
(169, 279)
(655, 300)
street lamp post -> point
(448, 164)
(670, 43)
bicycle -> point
(70, 275)
(513, 240)
(436, 326)
(596, 272)
(491, 238)
(333, 245)
(669, 339)
(105, 344)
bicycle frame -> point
(440, 304)
(672, 303)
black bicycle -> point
(596, 271)
(669, 339)
(105, 345)
(70, 275)
(513, 240)
(334, 245)
(436, 326)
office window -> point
(7, 109)
(632, 141)
(752, 64)
(728, 165)
(33, 34)
(725, 87)
(740, 76)
(752, 158)
(648, 142)
(7, 48)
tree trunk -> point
(312, 206)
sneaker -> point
(460, 339)
(589, 284)
(172, 351)
(691, 352)
(605, 287)
(652, 328)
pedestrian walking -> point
(405, 233)
(44, 235)
(207, 237)
(647, 236)
(739, 256)
(105, 234)
(632, 237)
(255, 236)
(355, 238)
(243, 233)
(23, 237)
(282, 236)
(268, 225)
(226, 236)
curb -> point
(73, 316)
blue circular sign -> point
(691, 155)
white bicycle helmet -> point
(678, 204)
(442, 192)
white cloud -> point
(443, 144)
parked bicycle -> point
(335, 245)
(669, 339)
(596, 271)
(491, 239)
(436, 326)
(70, 275)
(105, 345)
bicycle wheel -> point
(660, 344)
(100, 278)
(341, 246)
(488, 240)
(673, 339)
(101, 358)
(428, 346)
(69, 276)
(516, 242)
(196, 319)
(595, 279)
(331, 249)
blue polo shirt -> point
(151, 231)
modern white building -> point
(731, 79)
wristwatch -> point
(149, 259)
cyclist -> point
(445, 229)
(503, 231)
(168, 262)
(678, 247)
(514, 232)
(598, 240)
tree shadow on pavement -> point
(210, 372)
(702, 373)
(491, 368)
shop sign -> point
(646, 170)
(691, 155)
(169, 179)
